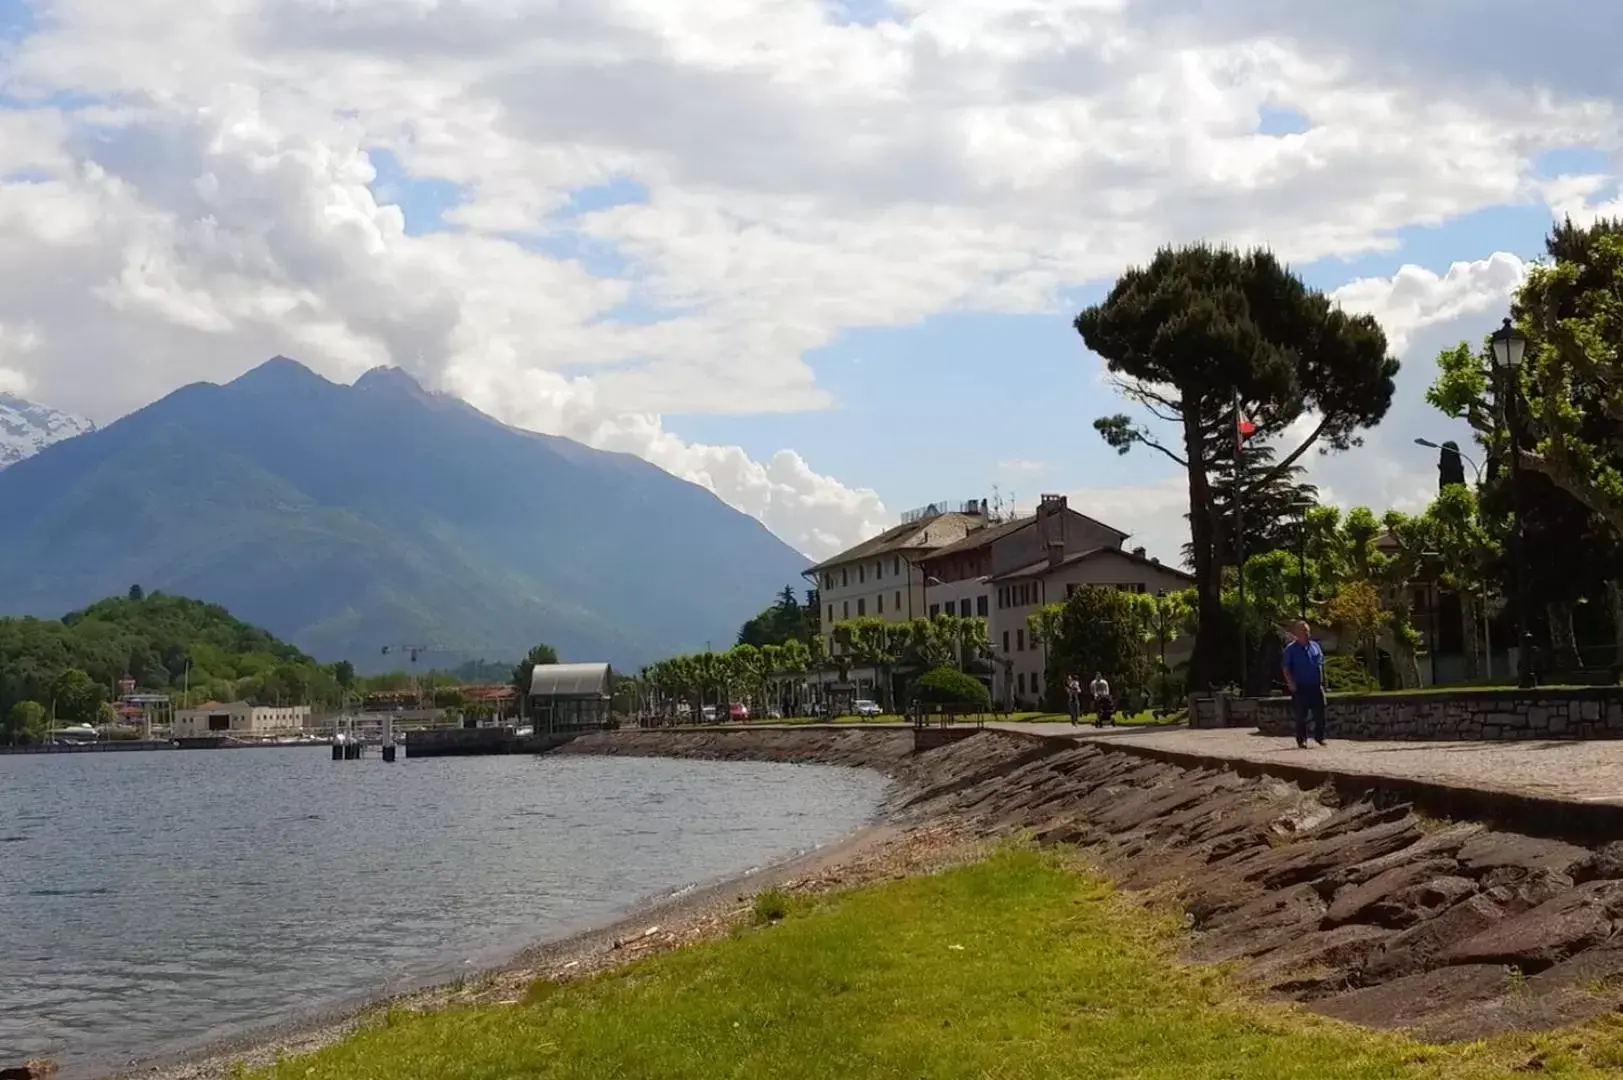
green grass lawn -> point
(1014, 967)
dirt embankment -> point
(1365, 912)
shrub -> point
(1346, 675)
(1099, 631)
(949, 686)
(771, 906)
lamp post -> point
(1509, 349)
(1431, 445)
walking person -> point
(1103, 708)
(1073, 698)
(1304, 676)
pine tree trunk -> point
(1204, 664)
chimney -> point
(1056, 553)
(1139, 552)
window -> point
(898, 601)
(935, 609)
(1020, 681)
(862, 607)
(828, 580)
(845, 577)
(879, 571)
(1005, 641)
(862, 574)
(896, 565)
(831, 613)
(879, 604)
(1070, 591)
(1019, 641)
(980, 605)
(845, 609)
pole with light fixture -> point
(1476, 468)
(1509, 349)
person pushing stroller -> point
(1104, 706)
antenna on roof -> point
(997, 505)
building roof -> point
(993, 533)
(570, 680)
(928, 534)
(1040, 569)
(981, 537)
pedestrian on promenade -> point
(1304, 675)
(1073, 698)
(1103, 708)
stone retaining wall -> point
(1502, 715)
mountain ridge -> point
(344, 518)
(27, 427)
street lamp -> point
(1430, 445)
(1509, 349)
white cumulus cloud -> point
(192, 187)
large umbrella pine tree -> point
(1203, 333)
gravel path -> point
(1567, 769)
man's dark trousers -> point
(1309, 700)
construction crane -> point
(414, 653)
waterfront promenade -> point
(1566, 770)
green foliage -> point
(480, 672)
(519, 677)
(767, 675)
(771, 906)
(1201, 329)
(1015, 968)
(1100, 631)
(1271, 505)
(26, 722)
(165, 643)
(784, 621)
(949, 686)
(76, 698)
(1571, 381)
(1344, 674)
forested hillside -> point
(165, 643)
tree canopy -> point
(786, 619)
(525, 668)
(164, 643)
(1201, 330)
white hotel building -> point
(959, 561)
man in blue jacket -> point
(1304, 675)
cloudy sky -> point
(821, 257)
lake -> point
(152, 903)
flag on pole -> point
(1243, 428)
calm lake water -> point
(151, 903)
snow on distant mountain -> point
(26, 428)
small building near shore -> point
(239, 718)
(570, 697)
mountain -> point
(26, 428)
(347, 518)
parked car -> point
(708, 714)
(864, 707)
(740, 713)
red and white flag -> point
(1243, 428)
